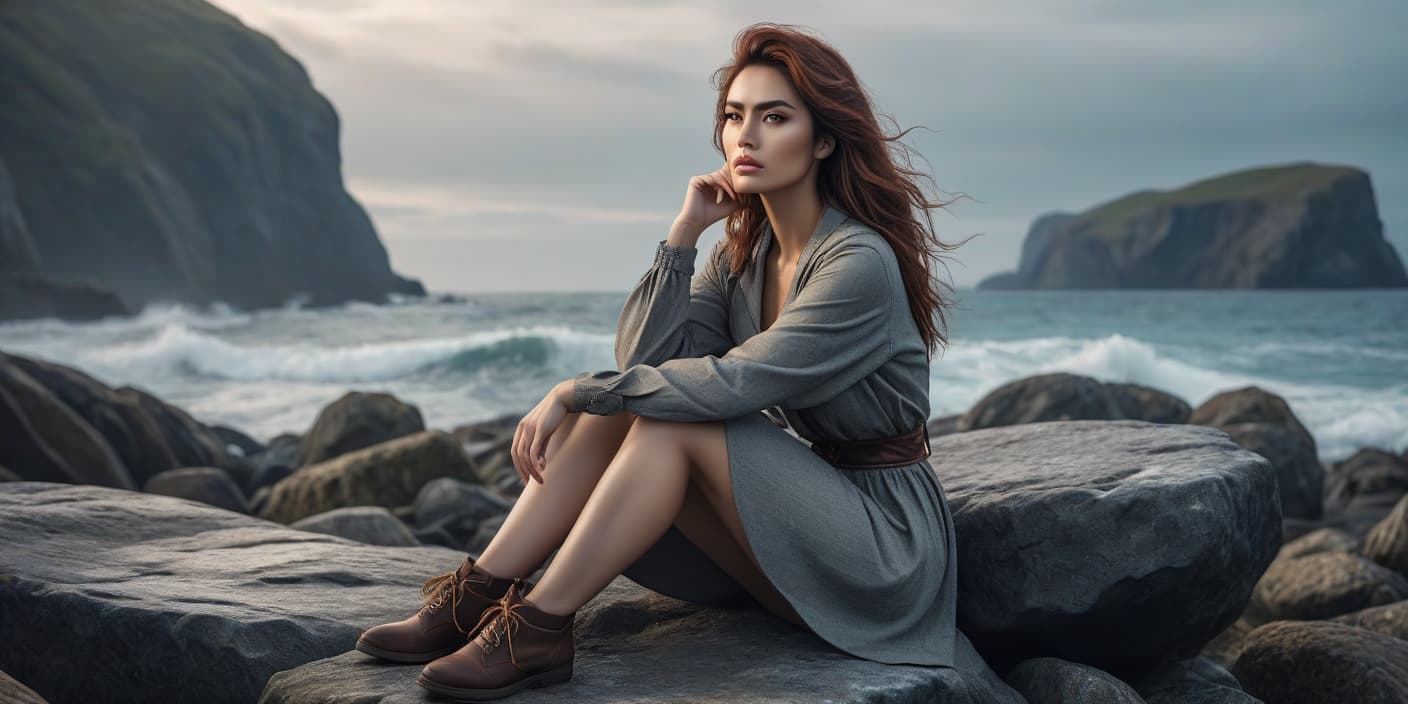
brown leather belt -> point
(879, 453)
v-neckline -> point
(830, 219)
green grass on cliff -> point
(176, 66)
(1112, 218)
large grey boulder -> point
(161, 599)
(1119, 544)
(356, 420)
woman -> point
(818, 302)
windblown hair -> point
(860, 176)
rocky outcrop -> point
(63, 425)
(1323, 585)
(1312, 662)
(373, 525)
(27, 294)
(388, 474)
(1263, 422)
(357, 420)
(1389, 619)
(1300, 225)
(207, 485)
(1369, 478)
(1387, 542)
(1123, 545)
(1065, 396)
(1056, 680)
(175, 601)
(217, 177)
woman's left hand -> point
(530, 438)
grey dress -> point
(867, 557)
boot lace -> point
(503, 619)
(437, 590)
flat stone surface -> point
(162, 599)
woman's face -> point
(765, 119)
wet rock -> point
(1065, 396)
(204, 484)
(1387, 542)
(358, 420)
(389, 474)
(1322, 540)
(1118, 544)
(1263, 422)
(1389, 619)
(1313, 662)
(1056, 681)
(1322, 585)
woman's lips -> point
(747, 168)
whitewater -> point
(1339, 358)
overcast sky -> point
(545, 146)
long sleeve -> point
(833, 334)
(668, 315)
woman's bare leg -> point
(578, 452)
(641, 493)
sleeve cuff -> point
(680, 259)
(589, 394)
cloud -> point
(498, 122)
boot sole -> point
(410, 658)
(542, 679)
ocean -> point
(1338, 357)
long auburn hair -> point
(860, 176)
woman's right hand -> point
(709, 198)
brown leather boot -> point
(454, 601)
(516, 647)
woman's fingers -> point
(513, 454)
(723, 179)
(529, 465)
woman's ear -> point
(825, 146)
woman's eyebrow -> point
(763, 105)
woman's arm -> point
(667, 315)
(832, 335)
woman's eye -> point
(729, 116)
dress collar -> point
(752, 278)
